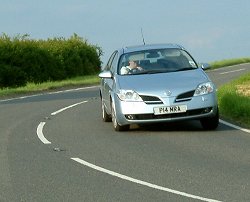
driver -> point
(131, 68)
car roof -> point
(130, 49)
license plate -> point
(170, 109)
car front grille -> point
(151, 99)
(185, 96)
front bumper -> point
(140, 112)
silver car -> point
(156, 83)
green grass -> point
(235, 105)
(48, 86)
(229, 62)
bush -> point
(48, 60)
(11, 76)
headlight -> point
(129, 95)
(204, 88)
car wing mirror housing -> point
(106, 75)
(205, 66)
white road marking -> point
(124, 177)
(154, 186)
(20, 98)
(238, 70)
(70, 90)
(234, 126)
(50, 93)
(63, 109)
(39, 132)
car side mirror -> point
(205, 66)
(106, 74)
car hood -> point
(158, 84)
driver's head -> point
(132, 64)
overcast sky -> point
(209, 29)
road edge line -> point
(234, 126)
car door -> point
(107, 83)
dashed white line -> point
(63, 109)
(238, 70)
(39, 132)
(154, 186)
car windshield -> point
(156, 61)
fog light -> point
(207, 110)
(129, 116)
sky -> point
(210, 30)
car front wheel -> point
(116, 125)
(210, 123)
(105, 116)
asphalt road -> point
(82, 158)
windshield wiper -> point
(158, 71)
(185, 69)
(152, 71)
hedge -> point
(25, 60)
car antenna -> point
(142, 37)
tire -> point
(210, 123)
(105, 116)
(116, 125)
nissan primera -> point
(156, 83)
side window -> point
(108, 66)
(114, 63)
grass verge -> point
(234, 101)
(229, 62)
